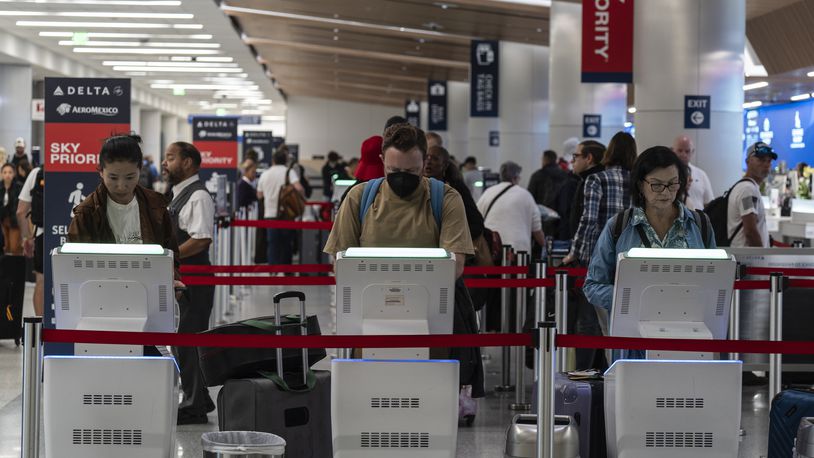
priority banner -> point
(607, 41)
(216, 139)
(80, 113)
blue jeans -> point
(280, 245)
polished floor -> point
(484, 439)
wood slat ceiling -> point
(355, 49)
(366, 57)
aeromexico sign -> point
(80, 113)
(607, 41)
(484, 73)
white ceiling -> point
(165, 36)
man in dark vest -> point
(193, 214)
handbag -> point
(221, 364)
(290, 203)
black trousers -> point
(195, 306)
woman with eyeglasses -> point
(658, 219)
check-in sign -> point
(696, 112)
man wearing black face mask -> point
(401, 214)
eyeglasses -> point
(575, 156)
(660, 187)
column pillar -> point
(151, 132)
(169, 134)
(16, 86)
(692, 47)
(135, 118)
(456, 138)
(184, 131)
(569, 98)
(523, 89)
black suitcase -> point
(788, 408)
(12, 293)
(301, 417)
(583, 400)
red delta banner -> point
(607, 41)
(75, 147)
(217, 155)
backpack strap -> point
(495, 200)
(702, 220)
(368, 195)
(437, 199)
(372, 188)
(621, 223)
(740, 225)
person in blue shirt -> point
(658, 219)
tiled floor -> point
(484, 439)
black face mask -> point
(403, 183)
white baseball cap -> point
(19, 142)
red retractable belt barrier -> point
(260, 268)
(496, 270)
(718, 346)
(787, 271)
(571, 271)
(282, 224)
(752, 284)
(258, 281)
(411, 341)
(801, 283)
(509, 283)
(274, 341)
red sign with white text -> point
(217, 154)
(607, 41)
(74, 147)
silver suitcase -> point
(804, 444)
(521, 438)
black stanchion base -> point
(504, 388)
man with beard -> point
(193, 213)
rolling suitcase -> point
(582, 400)
(12, 292)
(788, 409)
(300, 412)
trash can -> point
(245, 444)
(521, 438)
(804, 445)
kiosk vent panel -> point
(719, 306)
(395, 440)
(680, 403)
(107, 436)
(346, 299)
(444, 301)
(63, 295)
(677, 439)
(625, 306)
(395, 403)
(163, 299)
(107, 399)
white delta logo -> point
(64, 108)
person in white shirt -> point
(510, 210)
(193, 212)
(32, 246)
(699, 193)
(746, 215)
(280, 242)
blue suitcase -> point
(788, 408)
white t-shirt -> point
(701, 190)
(270, 183)
(125, 221)
(197, 217)
(745, 199)
(514, 216)
(25, 192)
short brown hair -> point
(405, 137)
(621, 151)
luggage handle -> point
(303, 330)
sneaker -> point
(186, 418)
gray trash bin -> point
(521, 438)
(804, 445)
(245, 444)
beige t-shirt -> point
(395, 222)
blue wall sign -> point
(484, 71)
(437, 97)
(591, 126)
(696, 111)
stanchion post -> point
(735, 314)
(776, 281)
(32, 374)
(539, 304)
(520, 352)
(545, 388)
(505, 324)
(561, 310)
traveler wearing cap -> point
(19, 151)
(746, 216)
(699, 190)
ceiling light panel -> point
(123, 68)
(200, 36)
(99, 14)
(143, 51)
(110, 63)
(101, 2)
(95, 25)
(139, 43)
